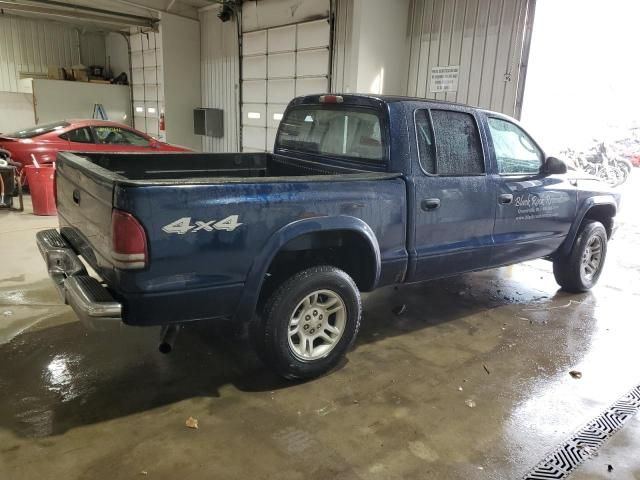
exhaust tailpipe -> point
(168, 336)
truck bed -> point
(204, 269)
(198, 168)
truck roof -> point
(363, 98)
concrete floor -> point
(471, 382)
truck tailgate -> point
(85, 201)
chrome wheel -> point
(592, 258)
(317, 324)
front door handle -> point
(505, 198)
(430, 204)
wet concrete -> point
(472, 381)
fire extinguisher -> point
(161, 128)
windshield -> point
(38, 130)
(333, 131)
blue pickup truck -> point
(360, 192)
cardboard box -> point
(80, 75)
(55, 73)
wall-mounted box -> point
(209, 122)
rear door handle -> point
(76, 196)
(505, 198)
(430, 204)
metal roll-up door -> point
(471, 52)
(279, 64)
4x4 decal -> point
(183, 225)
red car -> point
(44, 141)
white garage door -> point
(279, 64)
(147, 82)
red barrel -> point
(42, 188)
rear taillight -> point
(128, 241)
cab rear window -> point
(336, 132)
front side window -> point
(515, 151)
(458, 146)
(79, 135)
(328, 131)
(119, 136)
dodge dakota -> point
(360, 192)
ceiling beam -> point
(158, 10)
(77, 12)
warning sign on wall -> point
(444, 79)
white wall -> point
(383, 46)
(181, 62)
(484, 38)
(220, 70)
(117, 54)
(371, 46)
(58, 100)
(343, 69)
(16, 111)
(390, 47)
(29, 46)
(92, 49)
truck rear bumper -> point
(92, 303)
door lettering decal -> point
(531, 206)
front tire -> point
(309, 323)
(581, 269)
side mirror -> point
(553, 166)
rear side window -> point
(342, 132)
(458, 146)
(39, 130)
(452, 146)
(79, 135)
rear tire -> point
(308, 323)
(581, 269)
